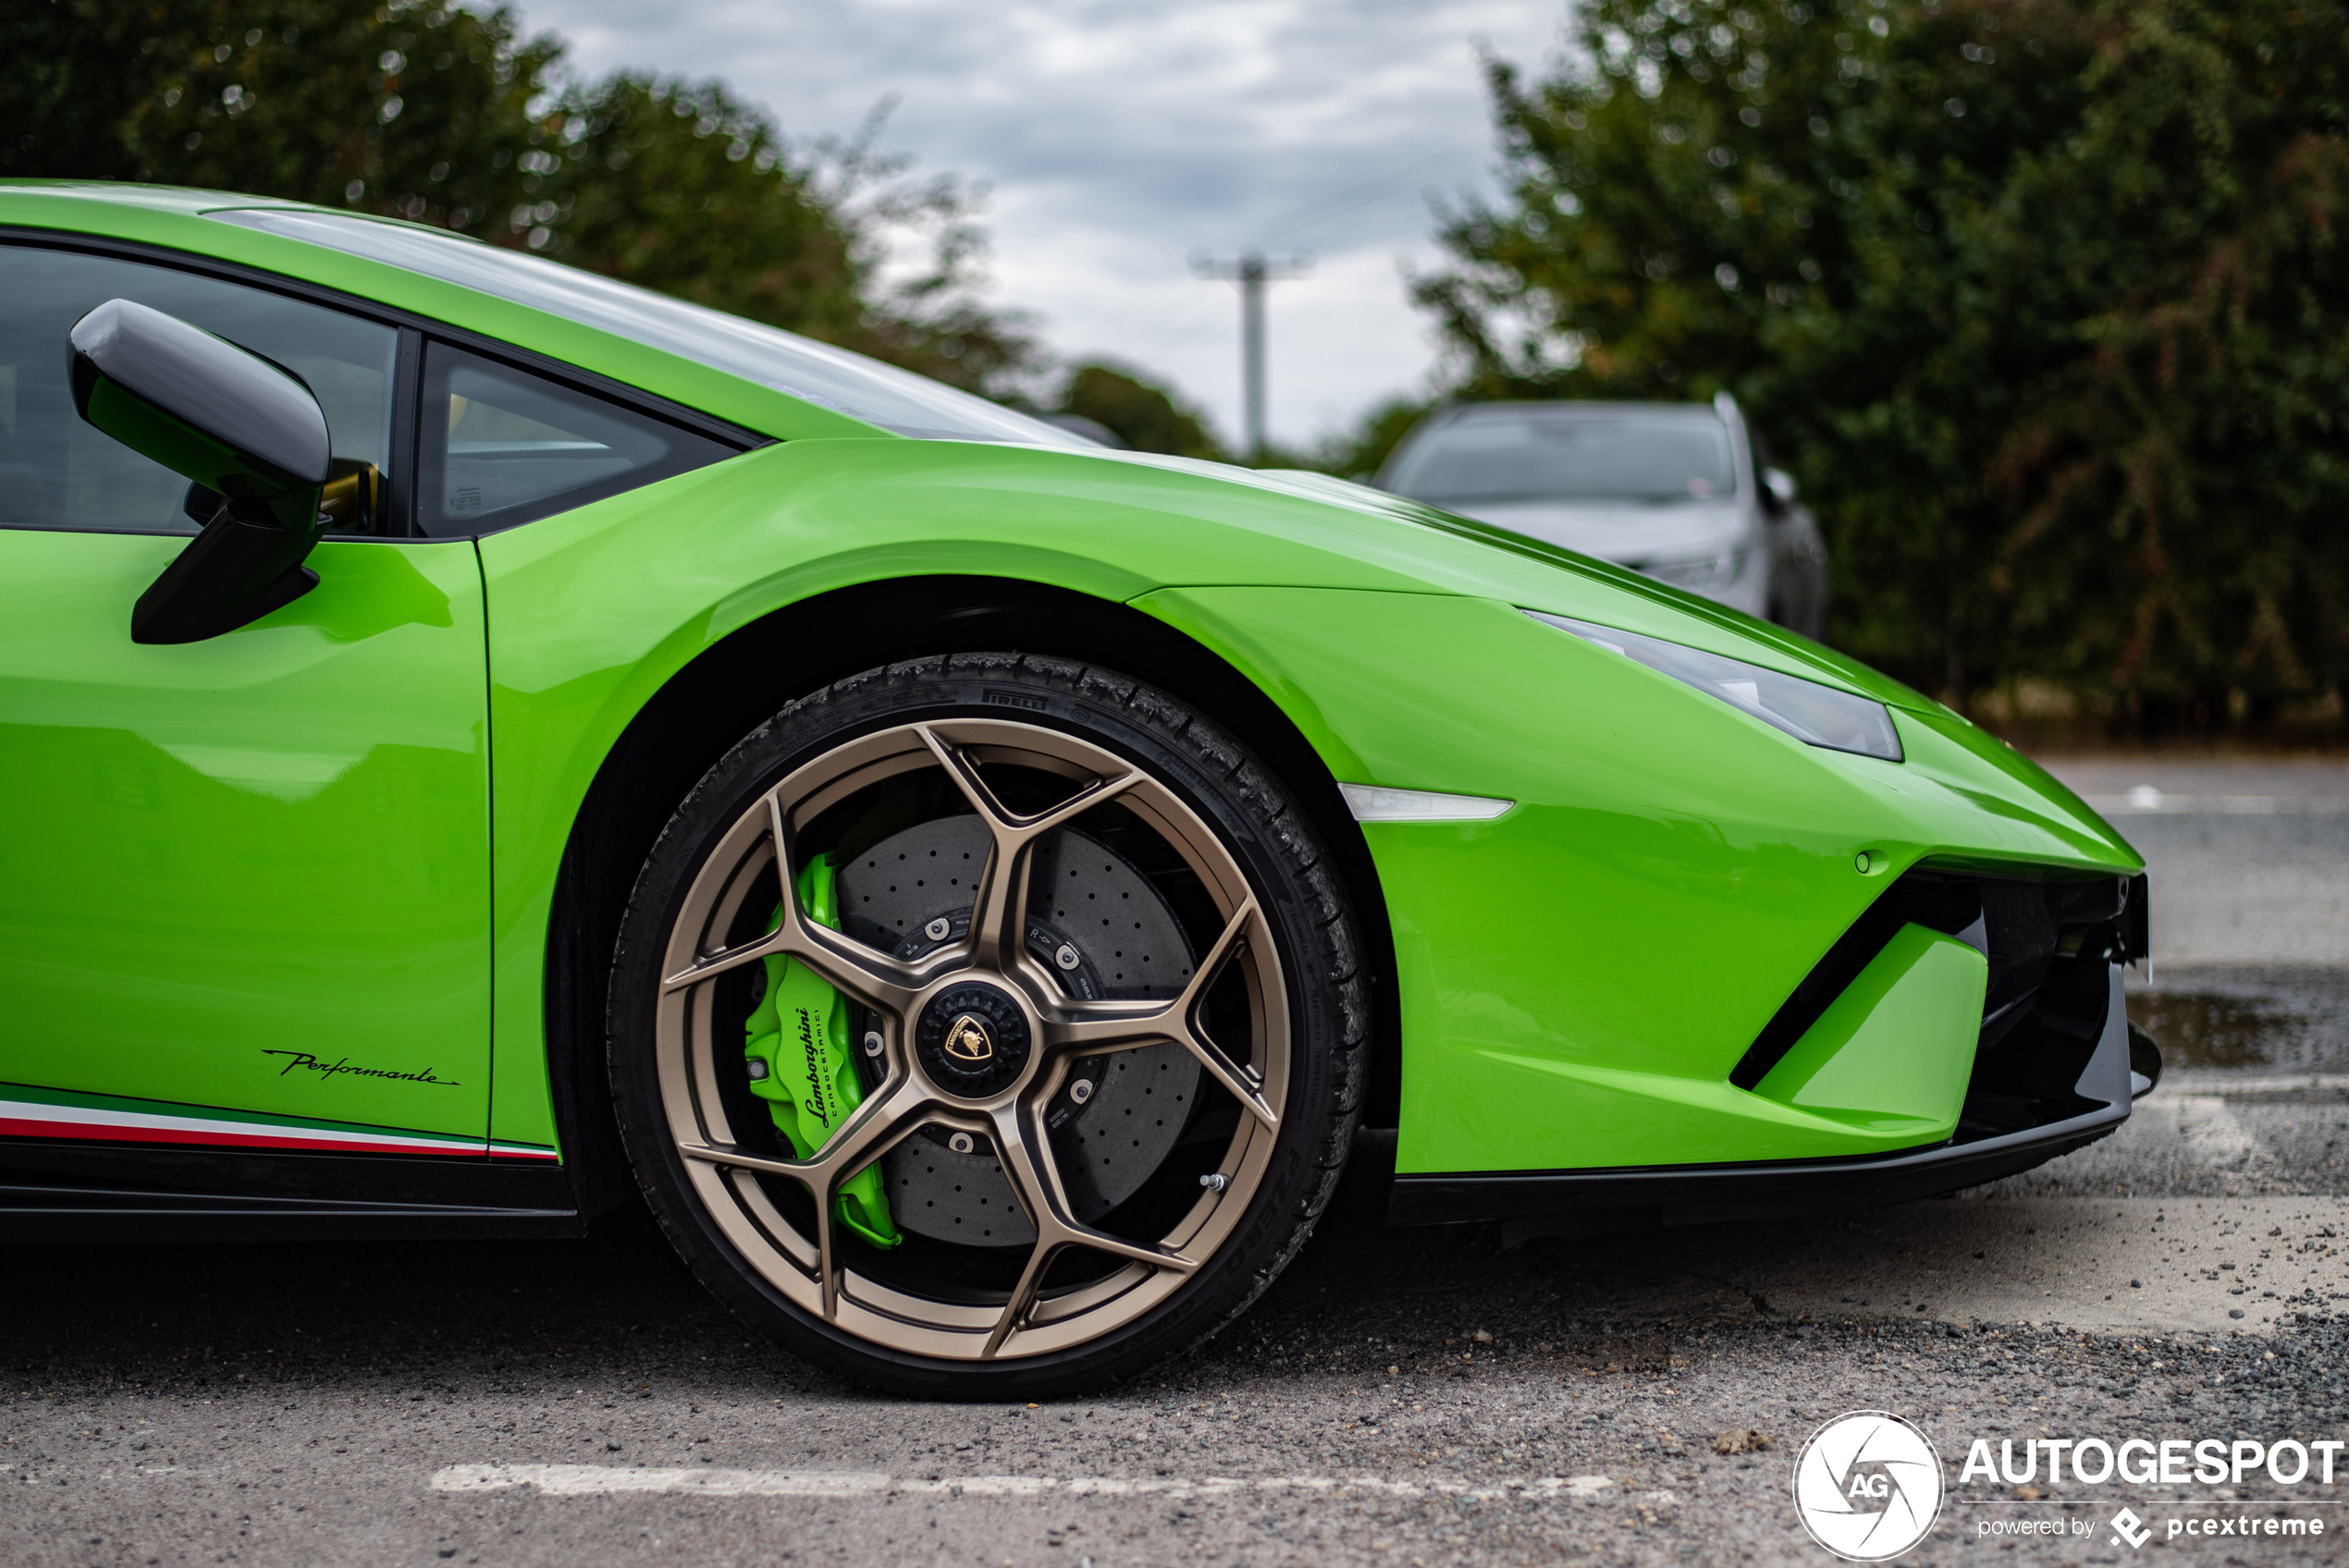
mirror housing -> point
(234, 424)
(1778, 485)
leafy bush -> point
(1143, 414)
(2043, 301)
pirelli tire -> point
(1265, 1016)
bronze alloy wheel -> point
(1106, 1032)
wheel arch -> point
(740, 681)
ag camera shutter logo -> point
(1867, 1486)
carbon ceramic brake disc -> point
(1087, 903)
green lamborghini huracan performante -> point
(478, 740)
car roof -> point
(1582, 408)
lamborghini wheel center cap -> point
(972, 1040)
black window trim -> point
(407, 423)
(407, 426)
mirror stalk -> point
(234, 573)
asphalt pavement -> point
(1400, 1397)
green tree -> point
(448, 116)
(1145, 415)
(2042, 298)
(403, 110)
(686, 188)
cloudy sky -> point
(1122, 136)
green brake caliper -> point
(797, 1048)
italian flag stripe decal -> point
(27, 1112)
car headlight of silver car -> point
(1811, 713)
(1698, 573)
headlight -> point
(1698, 574)
(1816, 715)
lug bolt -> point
(960, 1142)
(1068, 957)
(1215, 1181)
(1081, 1091)
(872, 1042)
(936, 930)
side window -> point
(57, 473)
(503, 447)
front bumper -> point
(1581, 1201)
(2049, 1069)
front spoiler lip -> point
(1699, 1194)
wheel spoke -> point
(717, 963)
(996, 903)
(1001, 818)
(1221, 952)
(1238, 1081)
(1029, 1165)
(1099, 1028)
(1076, 805)
(864, 1137)
(877, 1125)
(727, 1154)
(1094, 1026)
(866, 974)
(1027, 1160)
(1023, 1297)
(868, 1131)
(827, 1272)
(999, 905)
(1050, 1212)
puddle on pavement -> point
(2210, 1029)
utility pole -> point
(1252, 270)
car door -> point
(244, 882)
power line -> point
(1351, 199)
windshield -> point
(862, 389)
(1543, 455)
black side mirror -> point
(248, 431)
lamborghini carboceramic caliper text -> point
(797, 1049)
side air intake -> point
(2048, 945)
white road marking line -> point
(596, 1480)
(2193, 1081)
(2142, 802)
(2210, 1126)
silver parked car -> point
(1682, 492)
